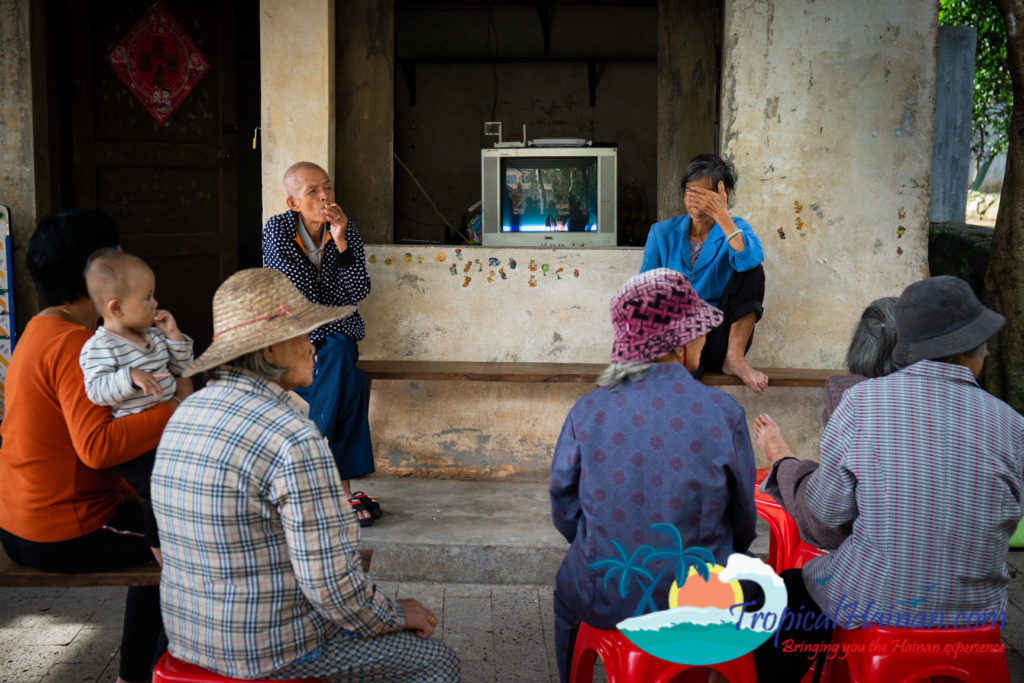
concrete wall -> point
(827, 113)
(21, 179)
(419, 309)
(297, 91)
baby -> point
(130, 362)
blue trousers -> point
(339, 404)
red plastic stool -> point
(904, 655)
(171, 670)
(624, 662)
(786, 550)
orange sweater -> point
(57, 444)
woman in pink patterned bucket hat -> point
(656, 313)
(648, 453)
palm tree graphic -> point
(674, 557)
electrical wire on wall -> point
(431, 201)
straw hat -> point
(656, 312)
(255, 308)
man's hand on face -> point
(338, 221)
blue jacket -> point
(668, 246)
(661, 448)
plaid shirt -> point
(928, 467)
(259, 547)
(339, 280)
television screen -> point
(549, 194)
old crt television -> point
(548, 196)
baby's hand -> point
(146, 381)
(165, 322)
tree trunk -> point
(1004, 279)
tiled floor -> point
(501, 632)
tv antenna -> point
(493, 129)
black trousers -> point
(116, 545)
(772, 661)
(137, 473)
(744, 294)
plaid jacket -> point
(928, 466)
(260, 561)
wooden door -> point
(171, 188)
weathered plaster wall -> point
(18, 171)
(297, 91)
(827, 113)
(419, 309)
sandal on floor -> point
(369, 503)
(358, 506)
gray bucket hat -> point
(940, 317)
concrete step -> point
(447, 531)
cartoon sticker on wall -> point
(441, 258)
(511, 264)
(493, 262)
(372, 259)
(465, 283)
(557, 271)
(458, 254)
(388, 261)
(408, 257)
(532, 266)
(533, 280)
(782, 233)
(490, 276)
(544, 268)
(453, 270)
(501, 272)
(469, 264)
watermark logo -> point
(704, 622)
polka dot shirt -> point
(341, 279)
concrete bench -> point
(13, 574)
(584, 373)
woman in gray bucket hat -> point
(927, 467)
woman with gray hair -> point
(721, 256)
(650, 446)
(261, 577)
(869, 355)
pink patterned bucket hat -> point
(657, 312)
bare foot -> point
(755, 379)
(769, 439)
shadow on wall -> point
(960, 249)
(634, 218)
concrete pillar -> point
(297, 91)
(687, 93)
(366, 116)
(951, 147)
(22, 100)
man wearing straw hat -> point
(320, 251)
(261, 577)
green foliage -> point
(993, 90)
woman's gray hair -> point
(617, 373)
(870, 351)
(256, 363)
(710, 166)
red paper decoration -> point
(158, 62)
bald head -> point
(292, 184)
